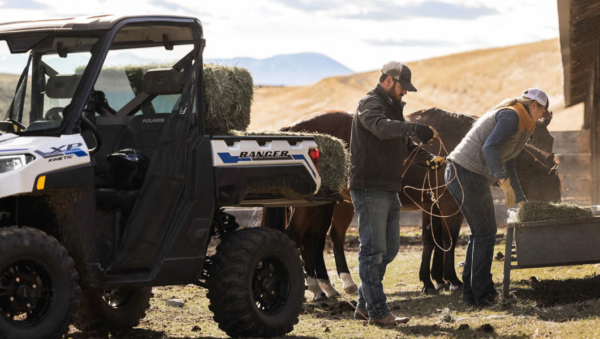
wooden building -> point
(579, 25)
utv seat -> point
(112, 198)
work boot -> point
(361, 314)
(491, 299)
(390, 320)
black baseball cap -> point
(401, 73)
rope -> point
(434, 194)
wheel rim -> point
(26, 293)
(117, 298)
(270, 285)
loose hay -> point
(333, 161)
(228, 94)
(539, 211)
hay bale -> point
(333, 161)
(539, 211)
(229, 92)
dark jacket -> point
(380, 142)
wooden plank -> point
(578, 163)
(571, 142)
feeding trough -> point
(551, 243)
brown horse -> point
(308, 226)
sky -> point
(361, 34)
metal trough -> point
(551, 243)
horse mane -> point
(443, 116)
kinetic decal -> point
(64, 150)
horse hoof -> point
(430, 291)
(441, 287)
(325, 285)
(456, 287)
(351, 289)
(320, 296)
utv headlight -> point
(13, 162)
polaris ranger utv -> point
(108, 189)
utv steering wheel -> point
(54, 113)
(88, 124)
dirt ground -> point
(559, 302)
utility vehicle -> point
(110, 183)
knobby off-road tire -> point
(256, 283)
(112, 310)
(39, 285)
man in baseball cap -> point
(380, 142)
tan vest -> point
(469, 153)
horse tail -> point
(275, 217)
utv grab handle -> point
(96, 134)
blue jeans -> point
(478, 210)
(379, 232)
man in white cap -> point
(487, 156)
(379, 144)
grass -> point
(563, 303)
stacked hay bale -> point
(228, 95)
(539, 211)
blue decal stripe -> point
(77, 151)
(302, 157)
(231, 159)
(13, 150)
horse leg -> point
(437, 266)
(454, 223)
(308, 253)
(301, 230)
(323, 223)
(342, 217)
(428, 245)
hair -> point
(382, 77)
(511, 102)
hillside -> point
(470, 82)
(288, 70)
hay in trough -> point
(539, 211)
(333, 160)
(228, 92)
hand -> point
(436, 162)
(522, 203)
(509, 194)
(424, 133)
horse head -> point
(541, 138)
(538, 175)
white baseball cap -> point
(537, 95)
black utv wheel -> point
(256, 283)
(112, 310)
(39, 290)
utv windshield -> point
(36, 87)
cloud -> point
(386, 11)
(169, 5)
(22, 4)
(309, 5)
(409, 43)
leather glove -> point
(436, 162)
(509, 194)
(424, 133)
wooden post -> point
(507, 261)
(591, 113)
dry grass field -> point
(470, 83)
(562, 302)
